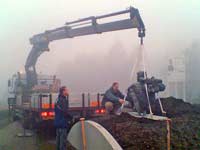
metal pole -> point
(83, 100)
(168, 134)
(83, 104)
(98, 100)
(88, 99)
(50, 101)
(98, 17)
(113, 14)
(161, 106)
(40, 102)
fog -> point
(92, 63)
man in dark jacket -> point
(61, 118)
(113, 99)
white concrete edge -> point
(106, 134)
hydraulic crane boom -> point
(81, 27)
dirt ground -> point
(9, 140)
(3, 107)
(143, 134)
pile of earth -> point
(144, 134)
(177, 107)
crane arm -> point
(81, 27)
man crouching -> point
(113, 99)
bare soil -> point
(2, 107)
(144, 134)
(9, 140)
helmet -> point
(141, 76)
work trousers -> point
(111, 107)
(61, 139)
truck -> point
(37, 108)
(32, 107)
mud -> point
(3, 108)
(177, 107)
(10, 141)
(144, 134)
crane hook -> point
(141, 34)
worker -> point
(137, 94)
(113, 99)
(61, 118)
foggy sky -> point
(171, 27)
